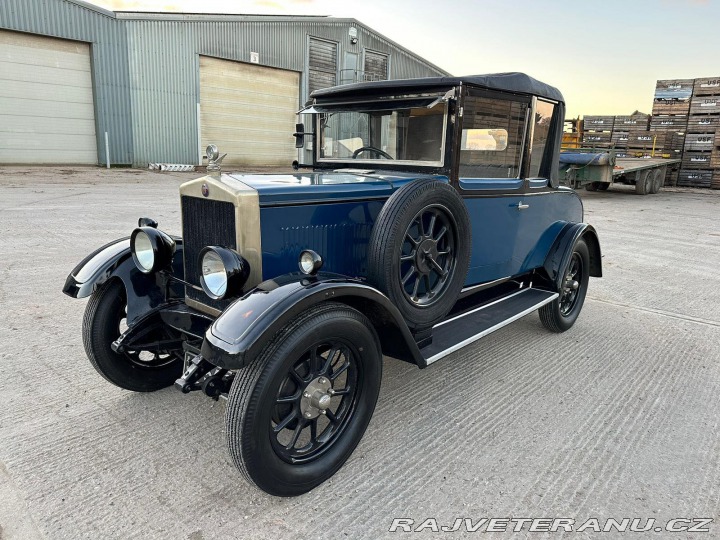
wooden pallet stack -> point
(700, 165)
(701, 158)
(672, 97)
(675, 125)
(671, 106)
(651, 143)
(597, 130)
(626, 129)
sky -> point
(605, 56)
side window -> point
(543, 120)
(492, 137)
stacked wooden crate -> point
(701, 158)
(675, 126)
(597, 131)
(671, 106)
(672, 96)
(626, 130)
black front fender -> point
(241, 332)
(114, 261)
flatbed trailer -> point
(597, 169)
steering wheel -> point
(379, 152)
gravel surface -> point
(619, 417)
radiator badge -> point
(205, 190)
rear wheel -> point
(297, 412)
(561, 314)
(104, 322)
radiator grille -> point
(205, 223)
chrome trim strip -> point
(490, 330)
(486, 284)
(480, 308)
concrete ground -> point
(617, 418)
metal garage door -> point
(46, 100)
(248, 111)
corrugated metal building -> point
(164, 85)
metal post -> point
(107, 150)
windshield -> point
(406, 135)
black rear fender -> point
(242, 331)
(561, 251)
(145, 292)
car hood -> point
(319, 187)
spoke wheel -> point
(104, 322)
(560, 314)
(316, 401)
(427, 259)
(569, 294)
(297, 411)
(419, 250)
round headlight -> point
(144, 254)
(310, 262)
(214, 275)
(151, 249)
(223, 272)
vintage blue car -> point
(430, 216)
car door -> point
(545, 209)
(492, 137)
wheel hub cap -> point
(427, 251)
(316, 397)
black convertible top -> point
(510, 82)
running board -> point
(457, 332)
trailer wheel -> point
(602, 186)
(657, 181)
(643, 182)
(592, 186)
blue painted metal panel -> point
(306, 188)
(508, 241)
(338, 232)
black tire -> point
(419, 267)
(257, 419)
(592, 186)
(643, 182)
(603, 186)
(657, 181)
(137, 371)
(560, 314)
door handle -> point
(521, 206)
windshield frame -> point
(372, 106)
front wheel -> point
(297, 412)
(104, 322)
(561, 314)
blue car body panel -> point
(333, 214)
